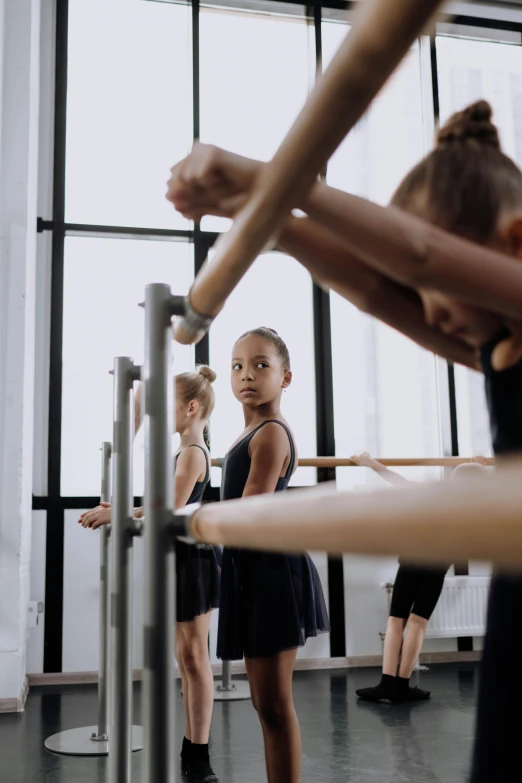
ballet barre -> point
(477, 519)
(390, 462)
(381, 35)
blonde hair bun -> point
(207, 373)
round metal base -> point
(84, 742)
(235, 692)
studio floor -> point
(343, 739)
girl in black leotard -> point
(270, 603)
(470, 188)
(416, 591)
(197, 568)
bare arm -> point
(395, 479)
(415, 253)
(268, 453)
(190, 465)
(333, 265)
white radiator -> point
(461, 610)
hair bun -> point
(207, 373)
(472, 124)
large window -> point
(256, 71)
(105, 280)
(129, 110)
(385, 386)
(141, 80)
(474, 64)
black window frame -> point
(54, 503)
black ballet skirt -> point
(496, 755)
(270, 602)
(198, 568)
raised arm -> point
(334, 266)
(417, 254)
(217, 182)
(395, 479)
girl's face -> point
(258, 376)
(459, 319)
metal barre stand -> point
(94, 740)
(226, 690)
(160, 586)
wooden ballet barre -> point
(391, 462)
(382, 33)
(476, 519)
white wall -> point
(18, 194)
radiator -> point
(461, 610)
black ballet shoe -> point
(411, 694)
(377, 694)
(185, 754)
(200, 771)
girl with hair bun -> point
(448, 295)
(270, 603)
(198, 569)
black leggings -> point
(416, 591)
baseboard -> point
(238, 667)
(16, 705)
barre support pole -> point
(94, 740)
(159, 605)
(125, 373)
(228, 690)
(102, 734)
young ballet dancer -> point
(270, 603)
(416, 592)
(197, 569)
(392, 262)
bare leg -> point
(415, 630)
(271, 681)
(184, 686)
(198, 684)
(393, 643)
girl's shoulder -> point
(274, 432)
(192, 457)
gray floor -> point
(343, 739)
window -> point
(469, 70)
(105, 280)
(385, 386)
(256, 71)
(129, 110)
(393, 134)
(277, 292)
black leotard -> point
(499, 719)
(198, 570)
(269, 602)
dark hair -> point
(466, 182)
(271, 335)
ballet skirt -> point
(270, 602)
(198, 568)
